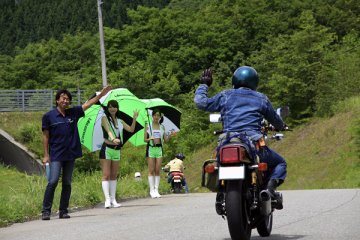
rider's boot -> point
(184, 183)
(271, 187)
(220, 203)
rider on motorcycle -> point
(242, 109)
(177, 165)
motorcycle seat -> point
(177, 174)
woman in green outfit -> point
(112, 127)
(155, 137)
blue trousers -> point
(274, 161)
(55, 170)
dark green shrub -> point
(29, 132)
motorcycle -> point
(240, 180)
(176, 180)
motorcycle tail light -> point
(232, 154)
(263, 167)
(210, 168)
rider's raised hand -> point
(206, 77)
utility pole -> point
(102, 46)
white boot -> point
(105, 187)
(151, 185)
(113, 194)
(157, 183)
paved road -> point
(307, 215)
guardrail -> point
(32, 100)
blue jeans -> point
(55, 170)
(274, 161)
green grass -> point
(24, 127)
(324, 153)
(21, 195)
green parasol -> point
(171, 118)
(89, 126)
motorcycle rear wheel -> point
(177, 187)
(237, 211)
(264, 228)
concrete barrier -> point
(15, 154)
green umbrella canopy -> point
(171, 118)
(169, 111)
(90, 131)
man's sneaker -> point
(64, 215)
(45, 216)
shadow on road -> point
(276, 237)
(280, 237)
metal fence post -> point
(51, 99)
(22, 100)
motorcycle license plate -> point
(177, 180)
(229, 173)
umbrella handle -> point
(149, 124)
(149, 121)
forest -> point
(306, 52)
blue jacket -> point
(242, 110)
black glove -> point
(206, 77)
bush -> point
(88, 163)
(29, 132)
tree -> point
(289, 65)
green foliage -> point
(291, 63)
(132, 160)
(339, 78)
(26, 21)
(88, 163)
(356, 129)
(306, 58)
(28, 132)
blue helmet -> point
(245, 77)
(180, 156)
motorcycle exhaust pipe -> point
(265, 203)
